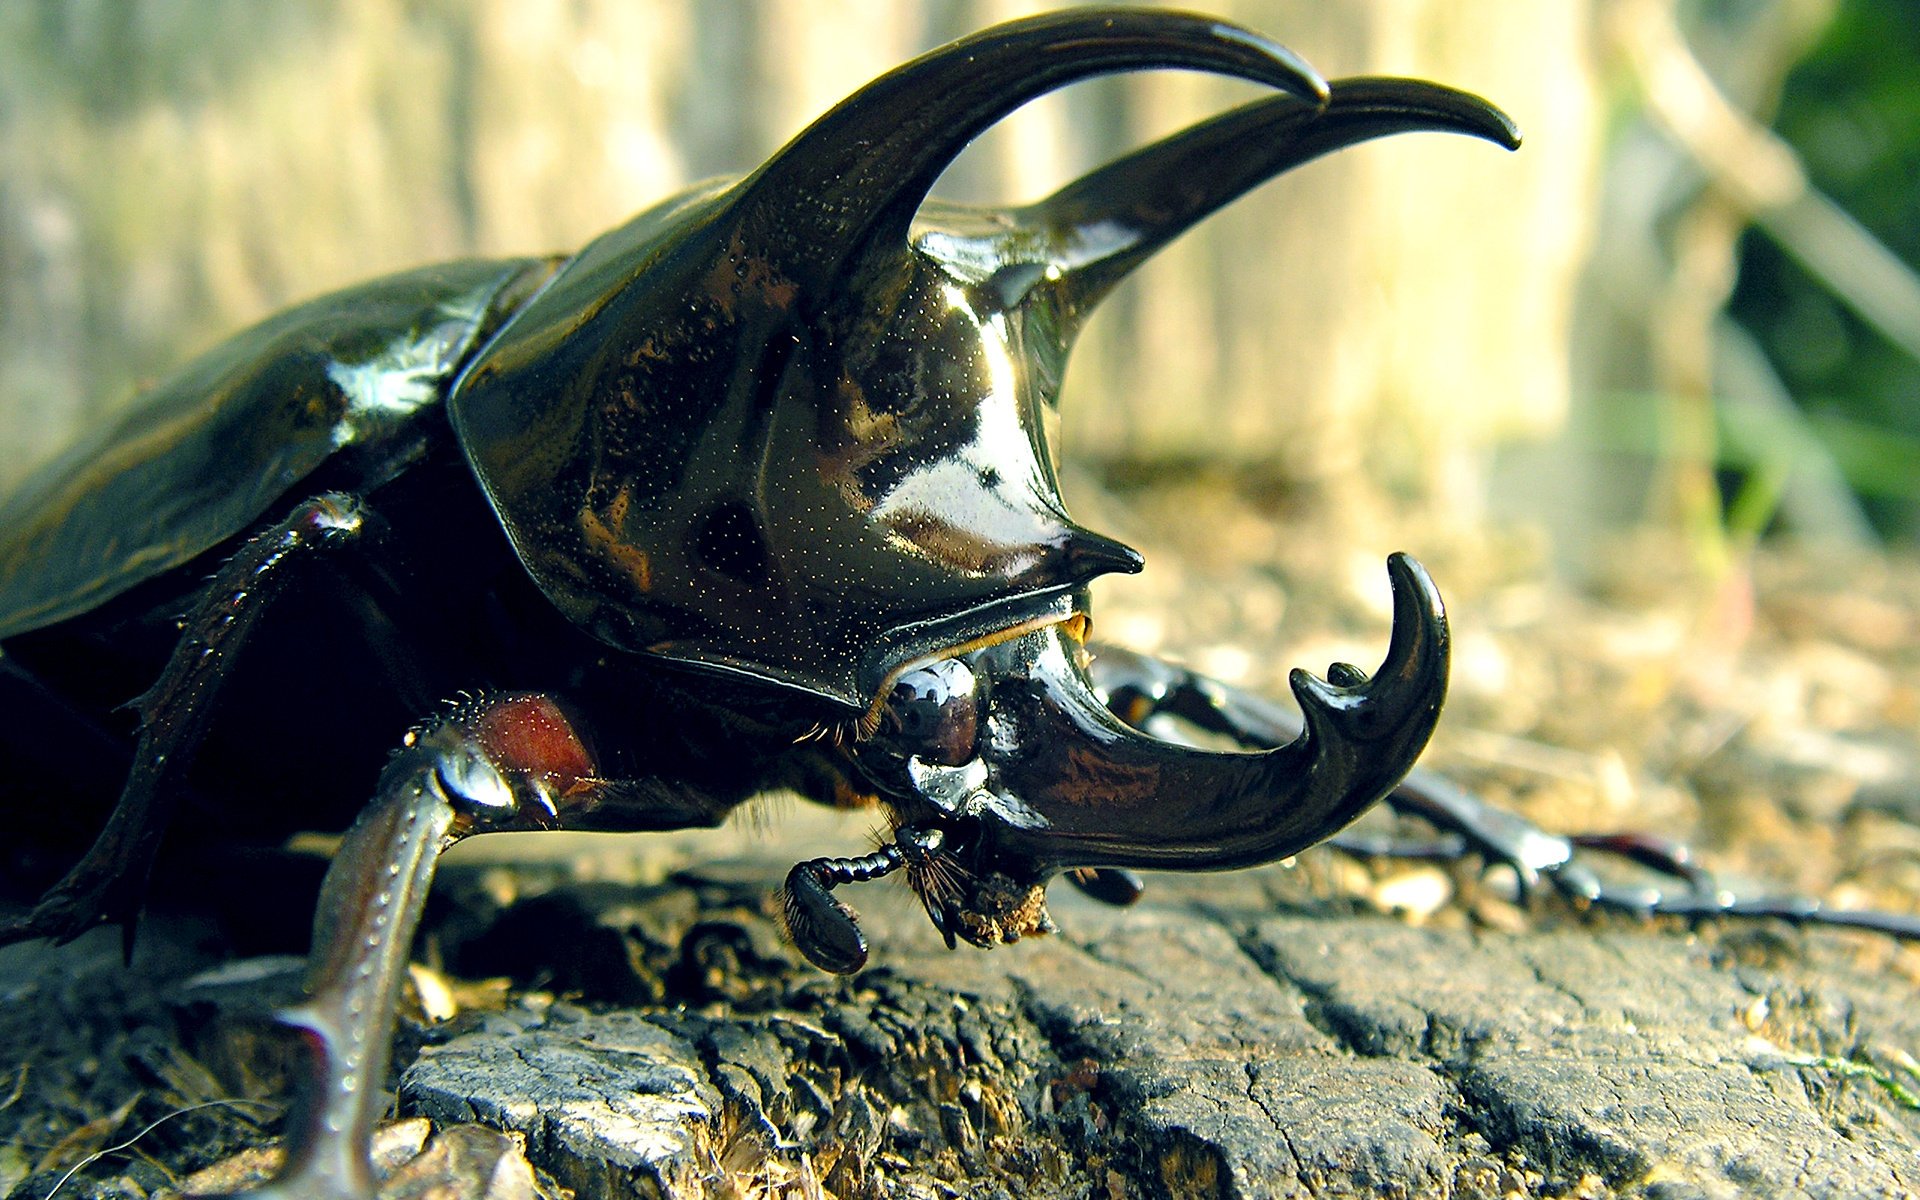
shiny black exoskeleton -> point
(753, 492)
(716, 505)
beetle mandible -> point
(752, 492)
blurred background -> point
(1688, 299)
(1644, 395)
(1685, 299)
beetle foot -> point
(93, 893)
(1470, 826)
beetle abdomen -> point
(209, 450)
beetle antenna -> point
(824, 929)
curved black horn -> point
(852, 181)
(1098, 793)
(1106, 223)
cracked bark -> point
(1201, 1045)
(1209, 1042)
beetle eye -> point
(933, 713)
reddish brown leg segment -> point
(505, 762)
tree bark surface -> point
(1230, 1036)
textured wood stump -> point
(1220, 1039)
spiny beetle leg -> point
(368, 909)
(108, 882)
(1657, 853)
(1139, 688)
(1470, 825)
(496, 763)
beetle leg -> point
(108, 882)
(505, 762)
(368, 908)
(1139, 688)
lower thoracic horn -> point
(1104, 224)
(1106, 794)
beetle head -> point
(1003, 766)
(779, 429)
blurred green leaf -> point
(1851, 109)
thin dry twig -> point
(1763, 176)
(128, 1144)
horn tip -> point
(1495, 125)
(1412, 580)
(1087, 554)
(1510, 137)
(1290, 72)
(1428, 105)
(1421, 637)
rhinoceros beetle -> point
(753, 492)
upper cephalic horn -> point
(847, 187)
(1106, 223)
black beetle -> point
(753, 492)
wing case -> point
(211, 449)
